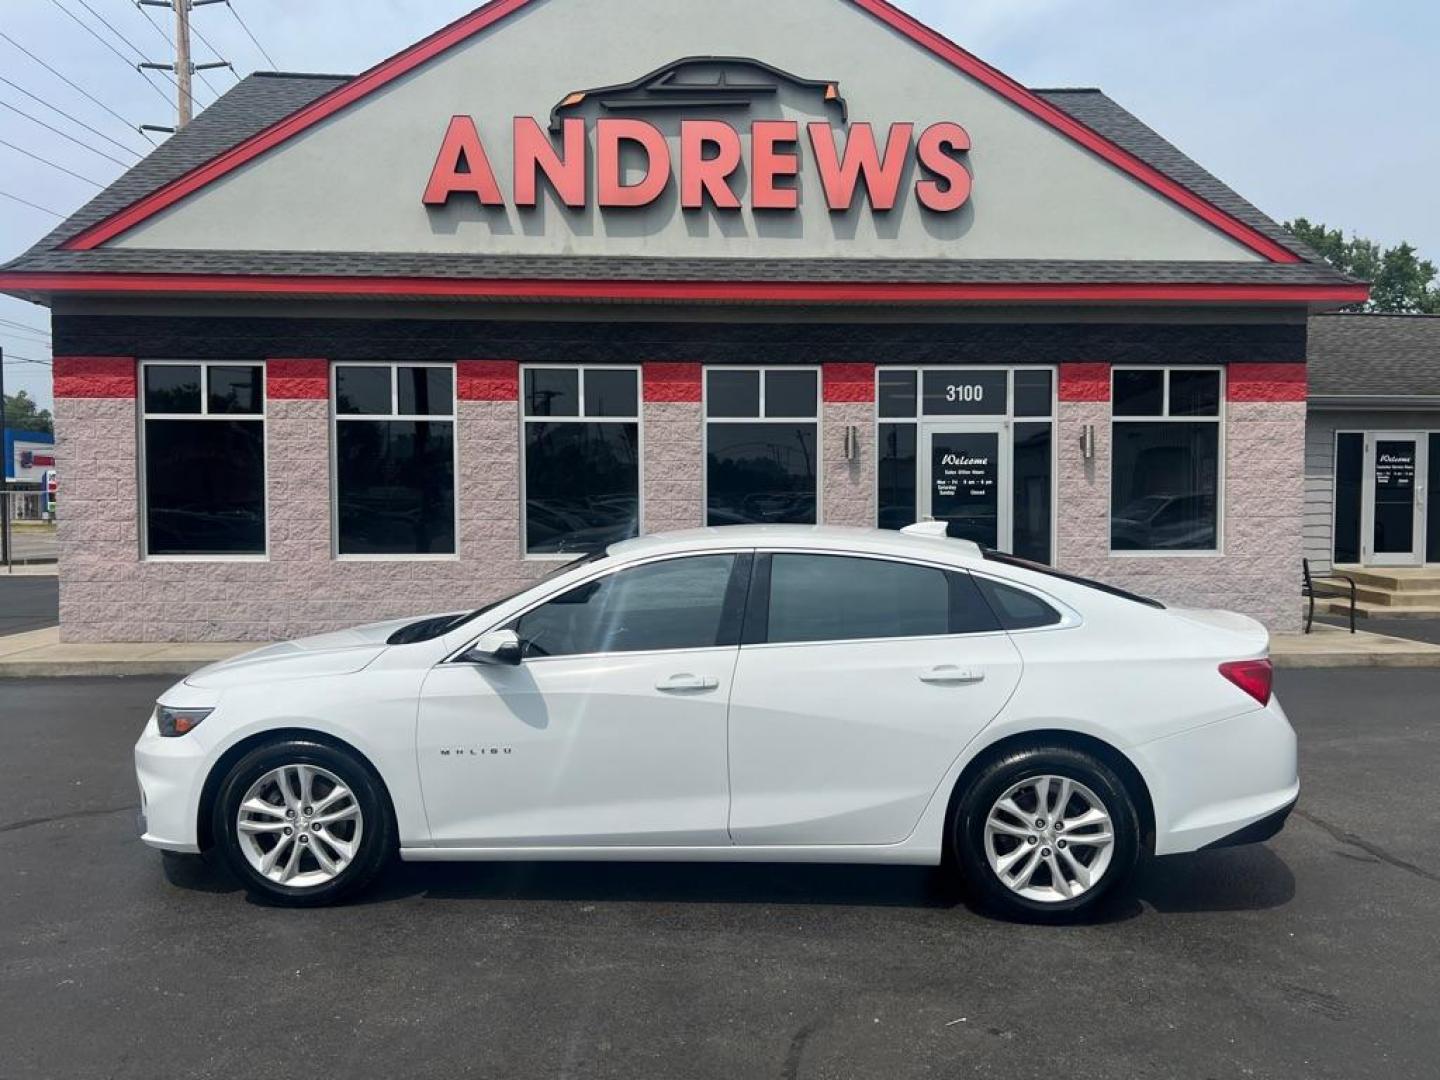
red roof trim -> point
(726, 291)
(320, 109)
(1087, 137)
(494, 11)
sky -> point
(1318, 108)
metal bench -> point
(1327, 586)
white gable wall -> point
(354, 183)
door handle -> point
(688, 683)
(949, 673)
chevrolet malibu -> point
(751, 693)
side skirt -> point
(904, 854)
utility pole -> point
(4, 472)
(183, 71)
(183, 67)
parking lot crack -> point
(1349, 838)
(30, 823)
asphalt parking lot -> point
(1312, 956)
(28, 603)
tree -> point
(22, 415)
(1400, 281)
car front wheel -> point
(1046, 833)
(303, 824)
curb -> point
(96, 669)
(1397, 659)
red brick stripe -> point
(94, 377)
(297, 380)
(671, 383)
(1266, 382)
(1084, 382)
(488, 380)
(849, 384)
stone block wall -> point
(1257, 570)
(108, 593)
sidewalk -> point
(1332, 646)
(40, 654)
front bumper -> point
(170, 773)
(1224, 783)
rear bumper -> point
(1256, 832)
(1224, 783)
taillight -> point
(1255, 677)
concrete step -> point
(1404, 598)
(1397, 579)
(1379, 611)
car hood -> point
(339, 653)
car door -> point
(612, 729)
(860, 681)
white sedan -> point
(753, 693)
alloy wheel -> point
(1049, 839)
(299, 826)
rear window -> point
(1050, 571)
(1015, 608)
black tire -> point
(967, 835)
(377, 839)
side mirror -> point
(496, 647)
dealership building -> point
(349, 348)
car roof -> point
(808, 537)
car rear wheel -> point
(303, 824)
(1046, 833)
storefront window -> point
(1005, 417)
(1349, 486)
(203, 449)
(395, 459)
(1165, 470)
(761, 436)
(582, 458)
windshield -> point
(1050, 571)
(440, 625)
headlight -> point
(176, 722)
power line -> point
(268, 58)
(25, 326)
(47, 161)
(209, 45)
(74, 86)
(72, 119)
(123, 58)
(170, 42)
(63, 135)
(33, 206)
(25, 360)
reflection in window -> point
(761, 469)
(395, 459)
(676, 604)
(1349, 481)
(1033, 481)
(839, 598)
(204, 459)
(898, 475)
(582, 458)
(1165, 468)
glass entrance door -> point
(1395, 472)
(966, 481)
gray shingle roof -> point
(265, 98)
(1375, 356)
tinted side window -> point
(839, 598)
(1017, 609)
(678, 604)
